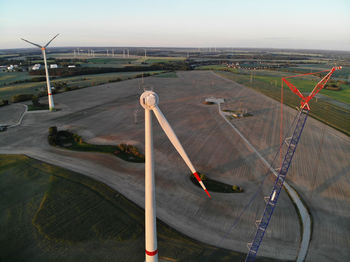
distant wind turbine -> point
(149, 101)
(43, 49)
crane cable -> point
(237, 220)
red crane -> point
(318, 87)
(263, 223)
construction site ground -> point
(320, 171)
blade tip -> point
(206, 191)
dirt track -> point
(106, 114)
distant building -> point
(10, 67)
(36, 67)
(215, 100)
(52, 66)
(71, 66)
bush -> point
(236, 188)
(38, 79)
(53, 131)
(52, 135)
(77, 139)
(52, 140)
(60, 85)
(203, 177)
(129, 149)
(21, 97)
(4, 102)
(35, 101)
(42, 93)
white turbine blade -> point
(51, 40)
(32, 43)
(176, 143)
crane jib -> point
(272, 201)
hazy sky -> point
(184, 23)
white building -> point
(52, 66)
(71, 66)
(36, 67)
(214, 100)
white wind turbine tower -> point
(43, 49)
(149, 101)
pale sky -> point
(309, 24)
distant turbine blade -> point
(176, 143)
(51, 40)
(32, 43)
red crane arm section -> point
(293, 88)
(318, 87)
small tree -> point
(52, 135)
(35, 101)
(53, 131)
(203, 177)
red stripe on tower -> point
(151, 253)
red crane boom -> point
(305, 100)
(263, 223)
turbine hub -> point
(149, 99)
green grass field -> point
(52, 214)
(111, 62)
(168, 75)
(333, 115)
(73, 82)
(344, 73)
(8, 77)
(161, 59)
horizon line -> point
(185, 47)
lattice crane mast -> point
(303, 113)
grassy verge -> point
(216, 186)
(52, 214)
(74, 142)
(330, 114)
(168, 75)
(38, 107)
